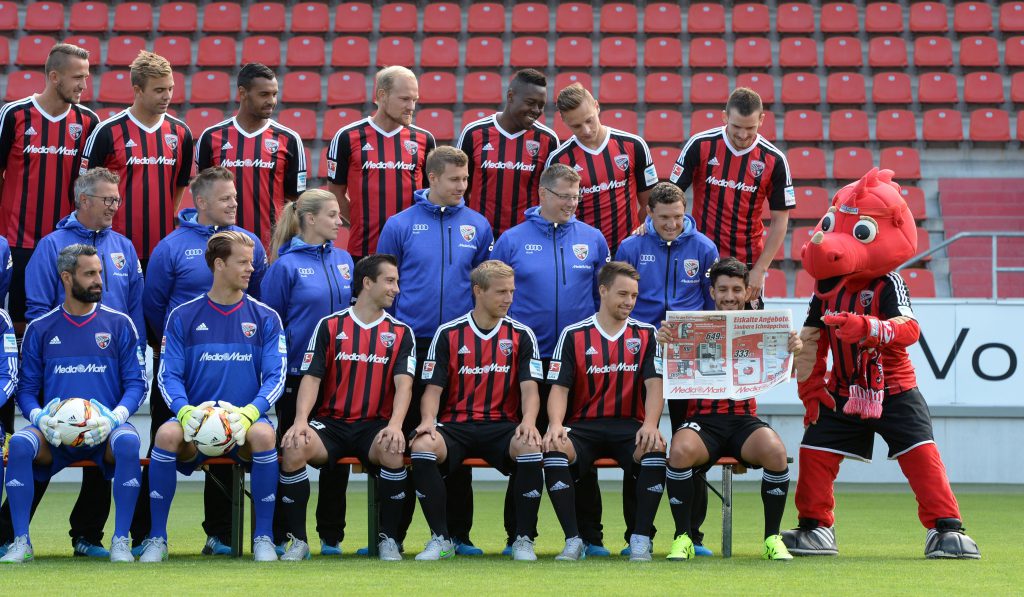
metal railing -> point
(995, 236)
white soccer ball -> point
(72, 417)
(214, 437)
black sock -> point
(774, 489)
(679, 482)
(293, 495)
(431, 491)
(391, 485)
(561, 491)
(650, 485)
(529, 485)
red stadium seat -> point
(704, 18)
(933, 52)
(439, 52)
(979, 52)
(300, 120)
(398, 17)
(804, 282)
(337, 118)
(561, 131)
(33, 49)
(564, 79)
(442, 17)
(664, 52)
(574, 52)
(1020, 126)
(843, 52)
(768, 128)
(887, 52)
(222, 17)
(664, 159)
(438, 88)
(802, 125)
(989, 125)
(618, 17)
(848, 126)
(775, 283)
(798, 52)
(937, 88)
(321, 171)
(475, 114)
(664, 126)
(1017, 88)
(923, 242)
(845, 88)
(617, 52)
(801, 235)
(216, 51)
(486, 17)
(915, 201)
(801, 88)
(354, 18)
(529, 52)
(266, 17)
(1013, 50)
(265, 49)
(200, 119)
(574, 17)
(305, 52)
(482, 88)
(840, 17)
(86, 17)
(44, 16)
(438, 121)
(485, 52)
(530, 17)
(400, 51)
(618, 88)
(664, 88)
(5, 52)
(983, 88)
(811, 203)
(851, 163)
(891, 88)
(904, 161)
(928, 17)
(350, 52)
(300, 87)
(624, 120)
(22, 84)
(750, 18)
(763, 84)
(310, 17)
(133, 17)
(707, 52)
(883, 17)
(177, 49)
(346, 88)
(895, 125)
(1011, 17)
(90, 43)
(972, 17)
(116, 88)
(780, 254)
(210, 87)
(9, 17)
(109, 112)
(704, 120)
(709, 88)
(920, 281)
(122, 49)
(796, 18)
(663, 18)
(806, 163)
(752, 52)
(178, 17)
(943, 125)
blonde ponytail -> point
(290, 223)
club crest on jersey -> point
(633, 345)
(248, 329)
(345, 272)
(271, 145)
(581, 251)
(119, 260)
(171, 141)
(75, 130)
(468, 232)
(505, 346)
(103, 339)
(532, 148)
(866, 297)
(756, 168)
(387, 339)
(621, 161)
(691, 266)
(411, 146)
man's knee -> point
(687, 450)
(261, 437)
(170, 436)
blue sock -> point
(263, 485)
(125, 444)
(20, 484)
(163, 480)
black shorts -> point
(488, 440)
(347, 439)
(724, 435)
(603, 438)
(905, 424)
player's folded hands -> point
(241, 419)
(191, 417)
(102, 425)
(43, 419)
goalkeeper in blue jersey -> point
(80, 349)
(228, 349)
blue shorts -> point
(65, 455)
(192, 465)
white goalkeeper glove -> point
(241, 419)
(191, 417)
(43, 419)
(107, 421)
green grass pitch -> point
(879, 537)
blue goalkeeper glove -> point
(191, 417)
(241, 419)
(43, 419)
(102, 425)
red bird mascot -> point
(861, 312)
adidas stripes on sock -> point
(774, 489)
(392, 484)
(163, 480)
(431, 491)
(294, 490)
(650, 485)
(680, 497)
(263, 482)
(125, 444)
(20, 484)
(561, 491)
(529, 484)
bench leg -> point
(237, 509)
(727, 511)
(372, 516)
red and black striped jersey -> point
(611, 179)
(605, 373)
(505, 169)
(269, 165)
(730, 187)
(40, 158)
(153, 162)
(381, 170)
(884, 298)
(482, 370)
(357, 363)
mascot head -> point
(867, 233)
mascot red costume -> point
(861, 312)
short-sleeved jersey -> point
(884, 298)
(505, 169)
(482, 370)
(611, 179)
(40, 156)
(730, 188)
(269, 165)
(605, 373)
(381, 170)
(357, 363)
(152, 163)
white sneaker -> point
(388, 550)
(573, 550)
(121, 550)
(522, 550)
(438, 548)
(154, 549)
(263, 549)
(639, 548)
(297, 551)
(18, 552)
